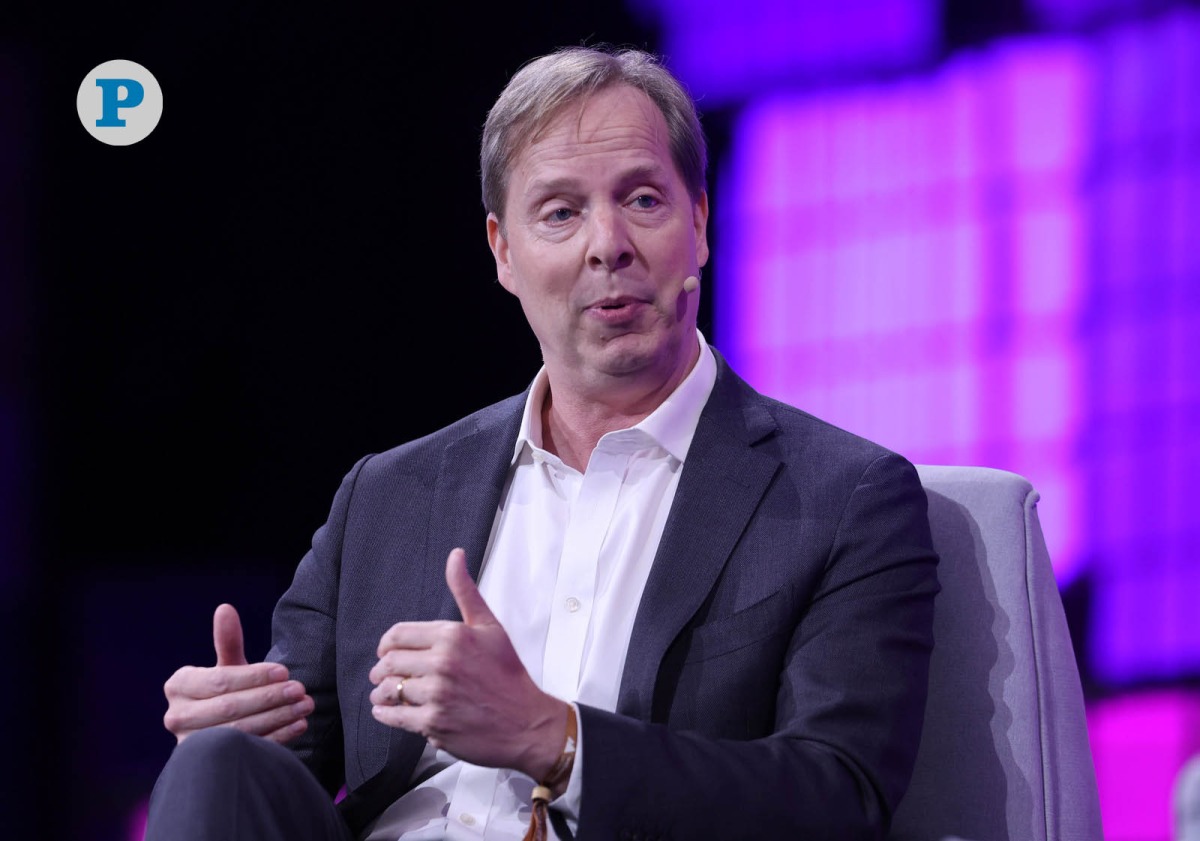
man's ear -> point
(498, 242)
(700, 223)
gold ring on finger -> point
(400, 692)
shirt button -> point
(467, 819)
(572, 604)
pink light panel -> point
(1140, 744)
(906, 260)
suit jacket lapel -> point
(464, 511)
(722, 482)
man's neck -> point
(573, 421)
(571, 431)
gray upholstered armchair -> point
(1004, 754)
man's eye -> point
(646, 202)
(560, 214)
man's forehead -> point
(582, 117)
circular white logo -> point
(119, 102)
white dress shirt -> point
(564, 571)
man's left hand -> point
(461, 685)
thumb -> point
(470, 602)
(227, 637)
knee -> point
(222, 783)
(216, 742)
(223, 749)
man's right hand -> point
(257, 698)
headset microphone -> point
(691, 284)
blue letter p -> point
(110, 89)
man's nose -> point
(609, 245)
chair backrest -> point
(1004, 752)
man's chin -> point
(636, 355)
(628, 354)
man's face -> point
(599, 235)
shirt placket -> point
(575, 587)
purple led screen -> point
(725, 49)
(1076, 13)
(996, 263)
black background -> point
(290, 272)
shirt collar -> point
(672, 425)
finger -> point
(227, 637)
(412, 636)
(466, 595)
(288, 732)
(280, 725)
(288, 721)
(196, 682)
(397, 690)
(405, 717)
(401, 662)
(272, 708)
(258, 711)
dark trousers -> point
(222, 784)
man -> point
(700, 613)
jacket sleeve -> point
(849, 702)
(303, 635)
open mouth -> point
(622, 302)
(617, 312)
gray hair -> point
(544, 86)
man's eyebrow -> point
(567, 183)
(549, 186)
(643, 172)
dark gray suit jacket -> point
(776, 675)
